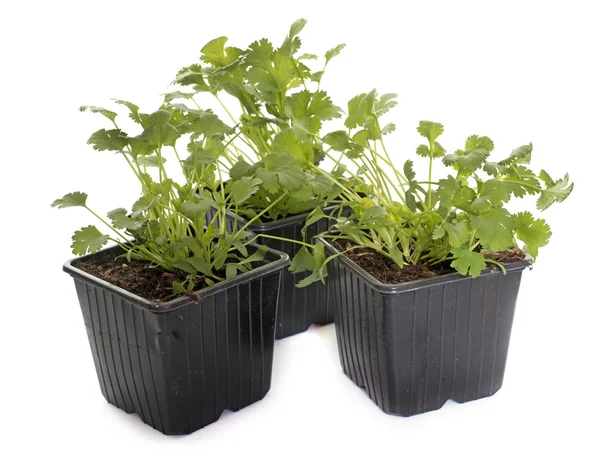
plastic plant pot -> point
(180, 364)
(299, 308)
(413, 346)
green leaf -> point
(316, 215)
(470, 160)
(120, 220)
(134, 111)
(358, 110)
(519, 155)
(257, 256)
(438, 150)
(558, 192)
(494, 193)
(321, 106)
(215, 53)
(260, 53)
(230, 271)
(143, 204)
(468, 262)
(308, 57)
(200, 265)
(297, 27)
(196, 208)
(333, 52)
(150, 160)
(88, 240)
(479, 142)
(338, 140)
(430, 130)
(446, 189)
(184, 265)
(209, 125)
(386, 102)
(534, 233)
(239, 169)
(177, 95)
(409, 172)
(100, 110)
(458, 232)
(302, 261)
(244, 188)
(76, 199)
(159, 130)
(108, 140)
(494, 229)
(318, 266)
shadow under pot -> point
(180, 364)
(299, 308)
(415, 345)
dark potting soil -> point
(138, 277)
(388, 272)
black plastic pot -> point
(414, 346)
(180, 364)
(299, 308)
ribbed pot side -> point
(180, 365)
(415, 346)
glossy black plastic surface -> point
(414, 346)
(179, 365)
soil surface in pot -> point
(137, 277)
(388, 272)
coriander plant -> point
(167, 225)
(276, 137)
(411, 221)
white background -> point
(515, 71)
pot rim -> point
(278, 261)
(416, 284)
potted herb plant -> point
(425, 276)
(180, 314)
(276, 138)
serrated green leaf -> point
(115, 140)
(100, 110)
(458, 232)
(470, 160)
(215, 53)
(519, 155)
(196, 208)
(88, 240)
(468, 262)
(385, 103)
(160, 131)
(142, 204)
(494, 229)
(134, 110)
(168, 97)
(338, 140)
(244, 188)
(535, 233)
(409, 172)
(494, 193)
(555, 193)
(302, 261)
(430, 130)
(75, 199)
(120, 220)
(333, 52)
(446, 189)
(479, 142)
